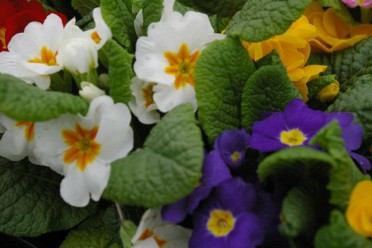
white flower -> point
(170, 61)
(101, 33)
(82, 148)
(143, 105)
(153, 232)
(32, 54)
(78, 55)
(18, 139)
(89, 91)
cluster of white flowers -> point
(46, 48)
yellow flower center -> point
(2, 37)
(220, 223)
(28, 129)
(148, 233)
(148, 93)
(47, 57)
(181, 65)
(292, 137)
(82, 147)
(95, 37)
(235, 156)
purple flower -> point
(232, 145)
(355, 3)
(226, 218)
(214, 172)
(294, 127)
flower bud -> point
(355, 3)
(329, 92)
(78, 55)
(90, 91)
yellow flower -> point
(333, 33)
(329, 92)
(359, 211)
(294, 50)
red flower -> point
(16, 14)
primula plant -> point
(185, 123)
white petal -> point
(96, 177)
(150, 242)
(73, 188)
(138, 23)
(13, 144)
(150, 219)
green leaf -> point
(151, 12)
(118, 16)
(166, 169)
(22, 101)
(302, 209)
(357, 100)
(220, 74)
(338, 234)
(340, 9)
(295, 165)
(223, 8)
(120, 72)
(318, 84)
(85, 6)
(30, 204)
(93, 233)
(343, 174)
(268, 89)
(127, 231)
(260, 20)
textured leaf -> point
(151, 12)
(127, 231)
(268, 89)
(166, 169)
(22, 101)
(93, 233)
(85, 6)
(118, 16)
(220, 74)
(302, 208)
(224, 8)
(30, 204)
(338, 234)
(262, 19)
(120, 72)
(357, 100)
(318, 84)
(344, 174)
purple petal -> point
(214, 169)
(362, 161)
(175, 212)
(270, 127)
(266, 144)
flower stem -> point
(120, 212)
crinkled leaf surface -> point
(30, 204)
(220, 74)
(338, 234)
(118, 16)
(166, 169)
(85, 6)
(127, 231)
(357, 99)
(151, 12)
(268, 89)
(262, 19)
(22, 101)
(120, 72)
(224, 8)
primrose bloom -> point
(153, 232)
(227, 218)
(17, 141)
(143, 105)
(101, 32)
(89, 91)
(214, 172)
(82, 147)
(355, 3)
(359, 211)
(170, 62)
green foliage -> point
(22, 101)
(357, 100)
(151, 12)
(343, 174)
(120, 72)
(223, 8)
(220, 74)
(166, 169)
(30, 204)
(93, 233)
(127, 231)
(268, 89)
(85, 6)
(318, 84)
(118, 16)
(260, 20)
(338, 234)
